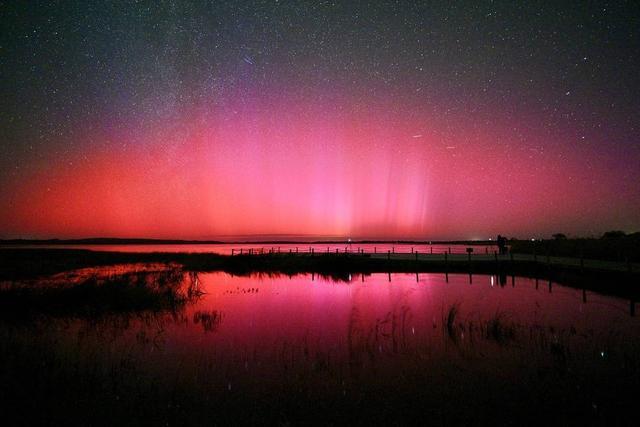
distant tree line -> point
(614, 245)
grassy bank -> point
(22, 264)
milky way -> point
(420, 120)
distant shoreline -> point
(139, 241)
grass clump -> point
(91, 294)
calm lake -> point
(298, 343)
(237, 316)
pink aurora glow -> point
(322, 169)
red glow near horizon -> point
(290, 168)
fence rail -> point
(366, 250)
(486, 254)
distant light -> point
(349, 239)
(533, 240)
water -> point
(305, 341)
(262, 312)
(266, 311)
(229, 248)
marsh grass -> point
(499, 328)
(449, 321)
(94, 292)
(210, 320)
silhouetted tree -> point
(614, 234)
(559, 236)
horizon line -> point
(282, 239)
(247, 239)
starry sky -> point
(363, 119)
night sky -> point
(388, 119)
